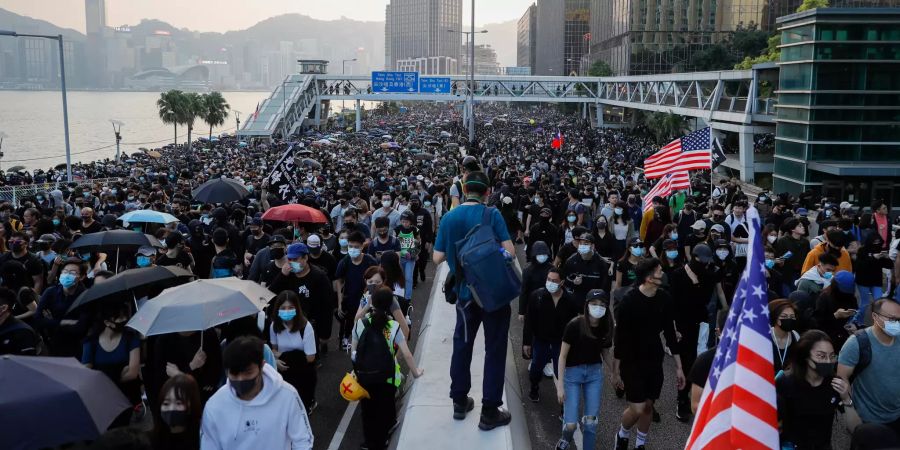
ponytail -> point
(381, 307)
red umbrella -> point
(295, 213)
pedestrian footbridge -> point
(725, 100)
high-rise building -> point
(562, 37)
(485, 60)
(419, 29)
(96, 30)
(526, 38)
(95, 15)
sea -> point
(33, 124)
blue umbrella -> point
(242, 144)
(147, 216)
(48, 402)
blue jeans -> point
(409, 272)
(867, 295)
(469, 317)
(587, 380)
(542, 352)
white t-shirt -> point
(286, 341)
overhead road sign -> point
(434, 85)
(395, 82)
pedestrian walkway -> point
(427, 413)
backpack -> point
(374, 357)
(483, 272)
(865, 353)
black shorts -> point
(642, 384)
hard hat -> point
(351, 389)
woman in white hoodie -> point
(256, 409)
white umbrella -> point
(147, 216)
(200, 305)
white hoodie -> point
(275, 419)
(813, 275)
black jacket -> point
(533, 278)
(546, 321)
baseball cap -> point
(634, 242)
(586, 237)
(717, 227)
(146, 250)
(256, 222)
(802, 211)
(669, 244)
(703, 253)
(297, 250)
(277, 239)
(47, 238)
(699, 225)
(597, 294)
(846, 283)
(313, 241)
(546, 212)
(845, 205)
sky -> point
(225, 15)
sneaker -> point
(345, 344)
(534, 395)
(621, 442)
(494, 417)
(683, 412)
(548, 370)
(460, 410)
(562, 444)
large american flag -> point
(738, 409)
(691, 152)
(666, 186)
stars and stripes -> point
(666, 186)
(738, 408)
(691, 152)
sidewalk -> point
(426, 417)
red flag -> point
(256, 114)
(557, 141)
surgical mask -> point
(722, 254)
(427, 203)
(242, 387)
(143, 261)
(892, 327)
(551, 287)
(771, 238)
(828, 275)
(56, 222)
(571, 219)
(343, 242)
(825, 369)
(296, 267)
(277, 253)
(618, 211)
(67, 280)
(163, 243)
(584, 249)
(287, 314)
(85, 256)
(174, 418)
(770, 263)
(596, 311)
(674, 236)
(542, 258)
(49, 257)
(671, 254)
(354, 252)
(537, 199)
(637, 251)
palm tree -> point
(170, 105)
(214, 111)
(192, 104)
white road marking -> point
(342, 427)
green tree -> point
(192, 106)
(214, 110)
(812, 4)
(772, 54)
(600, 69)
(170, 105)
(665, 126)
(714, 57)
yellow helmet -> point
(351, 389)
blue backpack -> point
(484, 272)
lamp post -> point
(62, 77)
(237, 124)
(2, 136)
(470, 98)
(117, 129)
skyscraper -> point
(95, 26)
(419, 29)
(526, 38)
(95, 15)
(563, 27)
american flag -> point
(738, 407)
(689, 152)
(666, 185)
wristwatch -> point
(848, 402)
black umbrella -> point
(433, 144)
(423, 156)
(119, 286)
(309, 162)
(48, 402)
(60, 166)
(115, 239)
(220, 190)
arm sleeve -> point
(309, 340)
(528, 327)
(526, 290)
(39, 320)
(499, 225)
(669, 330)
(208, 435)
(849, 353)
(621, 341)
(440, 243)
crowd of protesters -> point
(604, 279)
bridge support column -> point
(358, 116)
(583, 111)
(318, 116)
(599, 115)
(745, 151)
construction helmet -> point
(351, 389)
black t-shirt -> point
(314, 289)
(640, 319)
(806, 412)
(626, 268)
(17, 338)
(18, 272)
(691, 299)
(182, 259)
(702, 365)
(352, 274)
(326, 262)
(94, 227)
(585, 349)
(252, 244)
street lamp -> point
(2, 136)
(470, 98)
(117, 128)
(62, 77)
(237, 125)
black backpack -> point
(374, 359)
(865, 353)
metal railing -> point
(14, 194)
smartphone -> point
(787, 255)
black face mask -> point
(277, 253)
(825, 369)
(601, 225)
(244, 386)
(788, 324)
(315, 250)
(174, 418)
(117, 326)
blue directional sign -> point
(434, 85)
(395, 82)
